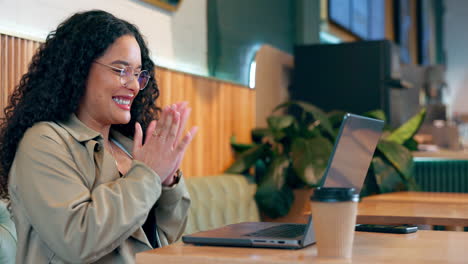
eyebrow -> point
(124, 63)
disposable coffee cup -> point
(334, 218)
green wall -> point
(237, 28)
(439, 10)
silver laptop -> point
(347, 167)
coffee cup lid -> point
(323, 194)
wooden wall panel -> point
(15, 55)
(220, 109)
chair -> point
(7, 236)
(220, 200)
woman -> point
(80, 189)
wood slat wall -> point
(15, 55)
(219, 109)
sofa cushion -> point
(7, 236)
(220, 200)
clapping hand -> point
(163, 149)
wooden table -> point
(442, 154)
(446, 209)
(425, 208)
(412, 213)
(420, 197)
(420, 247)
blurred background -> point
(235, 60)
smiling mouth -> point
(122, 102)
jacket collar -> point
(82, 133)
(78, 130)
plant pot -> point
(299, 208)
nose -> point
(133, 85)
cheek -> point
(97, 93)
(99, 88)
(101, 83)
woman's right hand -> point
(161, 150)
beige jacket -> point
(70, 204)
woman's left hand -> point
(184, 112)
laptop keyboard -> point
(280, 231)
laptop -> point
(347, 167)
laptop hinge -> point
(309, 236)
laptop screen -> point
(353, 152)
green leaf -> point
(336, 117)
(248, 158)
(273, 196)
(387, 177)
(280, 122)
(272, 201)
(259, 133)
(310, 157)
(316, 113)
(238, 147)
(413, 186)
(283, 105)
(276, 171)
(311, 133)
(408, 129)
(411, 144)
(370, 186)
(398, 156)
(377, 114)
(278, 125)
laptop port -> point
(280, 242)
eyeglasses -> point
(128, 74)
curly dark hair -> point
(56, 79)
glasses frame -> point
(122, 74)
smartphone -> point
(396, 229)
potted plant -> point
(293, 153)
(392, 165)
